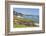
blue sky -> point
(29, 11)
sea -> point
(34, 18)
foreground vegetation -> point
(23, 22)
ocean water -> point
(34, 18)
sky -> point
(27, 11)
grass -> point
(20, 26)
(22, 20)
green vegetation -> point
(23, 22)
(20, 26)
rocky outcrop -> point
(17, 14)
